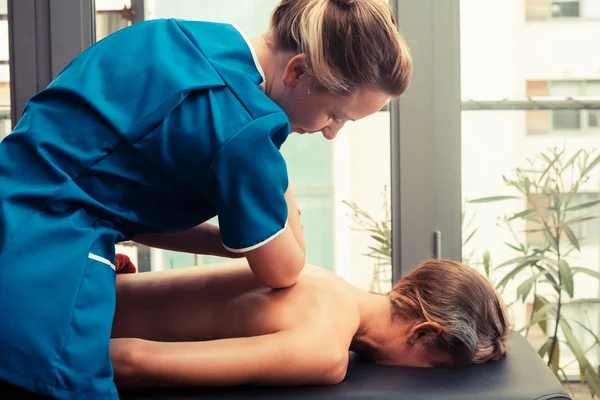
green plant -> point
(381, 249)
(544, 237)
(470, 257)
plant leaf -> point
(550, 239)
(513, 247)
(550, 164)
(493, 199)
(487, 262)
(588, 330)
(590, 166)
(586, 271)
(509, 276)
(545, 347)
(554, 363)
(513, 261)
(591, 377)
(538, 302)
(571, 160)
(584, 205)
(379, 239)
(567, 276)
(470, 236)
(525, 287)
(542, 313)
(583, 301)
(572, 237)
(578, 220)
(522, 214)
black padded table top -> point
(522, 375)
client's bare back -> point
(227, 301)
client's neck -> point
(375, 324)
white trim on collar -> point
(256, 63)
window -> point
(5, 121)
(540, 10)
(563, 121)
(111, 15)
(496, 143)
(564, 9)
(543, 10)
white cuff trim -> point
(102, 260)
(256, 246)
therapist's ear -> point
(295, 71)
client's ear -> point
(425, 333)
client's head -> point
(451, 316)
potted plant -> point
(551, 190)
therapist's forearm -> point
(201, 239)
(294, 219)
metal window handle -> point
(437, 244)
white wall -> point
(561, 50)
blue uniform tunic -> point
(159, 127)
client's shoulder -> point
(324, 303)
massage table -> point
(521, 375)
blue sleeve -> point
(248, 181)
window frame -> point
(44, 36)
(426, 138)
(584, 115)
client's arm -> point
(283, 358)
(201, 239)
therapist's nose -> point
(332, 131)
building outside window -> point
(561, 10)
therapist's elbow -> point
(280, 274)
(279, 262)
(289, 278)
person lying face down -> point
(219, 326)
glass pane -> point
(565, 9)
(594, 118)
(566, 119)
(500, 155)
(5, 121)
(111, 15)
(592, 88)
(331, 179)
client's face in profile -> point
(412, 344)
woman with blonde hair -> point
(220, 326)
(148, 134)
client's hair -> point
(468, 313)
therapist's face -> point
(312, 109)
